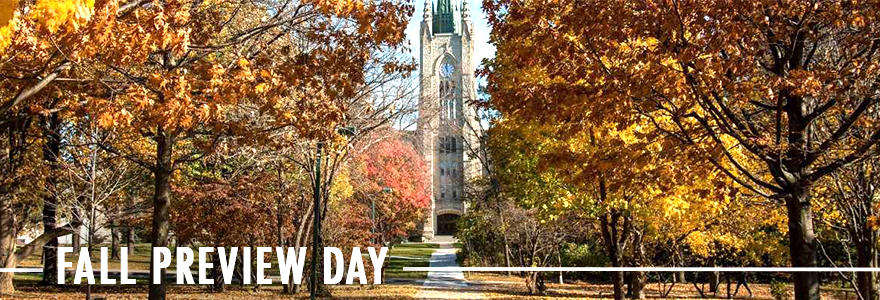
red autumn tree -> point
(239, 211)
(390, 174)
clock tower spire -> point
(447, 84)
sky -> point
(482, 48)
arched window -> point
(447, 90)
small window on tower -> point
(442, 195)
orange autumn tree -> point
(784, 82)
(170, 79)
(40, 43)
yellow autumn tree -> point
(620, 177)
(761, 74)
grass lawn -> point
(30, 290)
(139, 261)
(490, 286)
(28, 284)
(501, 286)
(403, 255)
(409, 255)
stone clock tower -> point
(447, 86)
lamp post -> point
(317, 222)
(316, 233)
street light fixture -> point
(347, 131)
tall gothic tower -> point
(447, 85)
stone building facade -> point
(445, 118)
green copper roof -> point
(446, 16)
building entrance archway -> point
(446, 224)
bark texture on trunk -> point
(802, 244)
(532, 283)
(636, 285)
(7, 243)
(76, 239)
(615, 226)
(611, 237)
(114, 241)
(51, 153)
(866, 258)
(11, 257)
(301, 239)
(559, 262)
(217, 274)
(714, 280)
(161, 204)
(129, 241)
(618, 284)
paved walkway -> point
(444, 284)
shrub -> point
(779, 290)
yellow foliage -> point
(341, 187)
(54, 15)
(8, 17)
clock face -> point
(446, 70)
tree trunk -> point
(714, 280)
(7, 243)
(559, 261)
(636, 285)
(161, 203)
(613, 238)
(129, 241)
(114, 241)
(618, 283)
(217, 274)
(802, 242)
(867, 281)
(612, 248)
(302, 235)
(532, 283)
(90, 229)
(76, 239)
(279, 216)
(51, 153)
(637, 279)
(507, 253)
(9, 256)
(679, 277)
(506, 242)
